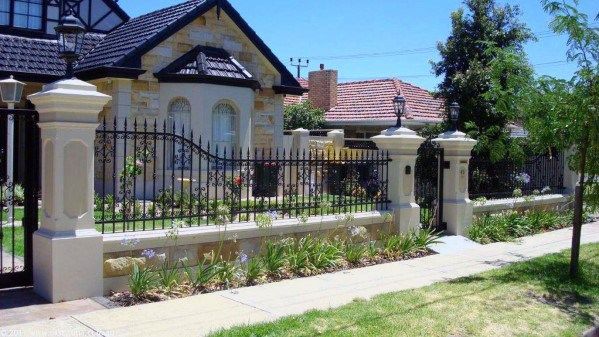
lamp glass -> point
(71, 34)
(400, 105)
(11, 90)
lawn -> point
(533, 298)
(19, 214)
(7, 239)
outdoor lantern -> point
(399, 104)
(71, 33)
(11, 91)
(454, 115)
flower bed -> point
(343, 248)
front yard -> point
(533, 298)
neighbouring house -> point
(197, 63)
(365, 108)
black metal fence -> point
(428, 184)
(149, 175)
(538, 174)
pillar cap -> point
(398, 140)
(70, 100)
(300, 131)
(456, 141)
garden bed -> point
(278, 260)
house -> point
(197, 64)
(365, 108)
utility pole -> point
(299, 66)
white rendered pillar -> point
(457, 206)
(338, 139)
(402, 144)
(67, 249)
(571, 177)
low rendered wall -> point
(192, 243)
(536, 202)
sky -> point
(378, 38)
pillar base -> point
(458, 215)
(67, 266)
(406, 217)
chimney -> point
(323, 88)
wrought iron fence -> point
(537, 174)
(428, 184)
(149, 175)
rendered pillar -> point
(338, 139)
(457, 206)
(402, 144)
(299, 147)
(571, 177)
(67, 249)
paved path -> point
(199, 315)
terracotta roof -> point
(290, 100)
(373, 101)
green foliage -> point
(169, 276)
(404, 244)
(424, 238)
(141, 281)
(253, 270)
(18, 195)
(355, 252)
(303, 115)
(202, 274)
(226, 272)
(479, 33)
(274, 258)
(509, 225)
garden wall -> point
(533, 202)
(122, 250)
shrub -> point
(355, 252)
(423, 239)
(274, 258)
(509, 225)
(202, 274)
(18, 195)
(169, 277)
(226, 272)
(324, 254)
(141, 281)
(253, 270)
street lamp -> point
(11, 91)
(399, 103)
(454, 115)
(71, 34)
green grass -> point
(19, 214)
(7, 239)
(533, 298)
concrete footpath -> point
(199, 315)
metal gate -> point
(429, 185)
(19, 194)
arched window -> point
(224, 126)
(179, 115)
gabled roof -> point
(290, 100)
(372, 101)
(125, 46)
(31, 59)
(208, 65)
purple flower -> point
(243, 258)
(273, 215)
(148, 253)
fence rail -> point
(358, 143)
(148, 176)
(542, 174)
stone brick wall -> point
(208, 30)
(323, 88)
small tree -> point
(564, 114)
(303, 115)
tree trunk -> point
(578, 209)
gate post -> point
(457, 207)
(402, 144)
(67, 249)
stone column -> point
(300, 145)
(571, 177)
(67, 249)
(457, 207)
(402, 144)
(338, 139)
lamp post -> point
(71, 34)
(11, 91)
(454, 115)
(399, 104)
